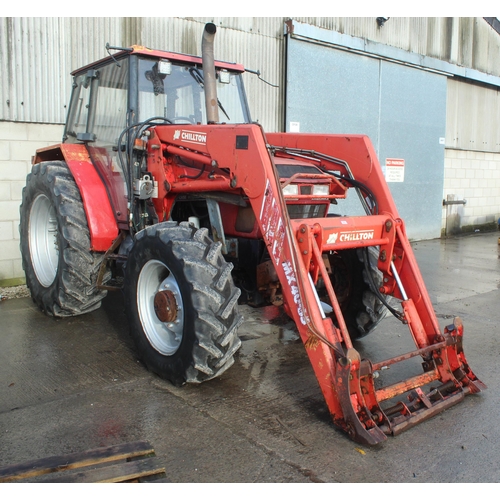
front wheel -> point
(181, 303)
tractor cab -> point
(139, 84)
(113, 97)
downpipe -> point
(210, 82)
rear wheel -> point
(181, 303)
(61, 270)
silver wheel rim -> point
(153, 278)
(43, 242)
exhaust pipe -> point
(210, 82)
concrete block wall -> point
(18, 143)
(475, 177)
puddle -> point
(252, 331)
(268, 322)
(287, 336)
(264, 334)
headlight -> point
(291, 189)
(321, 189)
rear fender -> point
(100, 217)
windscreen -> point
(179, 95)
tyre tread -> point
(74, 290)
(214, 300)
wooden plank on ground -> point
(74, 460)
(117, 473)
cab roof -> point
(160, 54)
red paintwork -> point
(100, 217)
(173, 56)
(215, 158)
(296, 248)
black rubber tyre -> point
(374, 311)
(199, 343)
(61, 270)
(360, 306)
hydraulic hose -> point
(126, 165)
(315, 156)
(375, 288)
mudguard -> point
(100, 216)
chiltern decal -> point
(190, 136)
(344, 236)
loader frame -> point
(353, 400)
(296, 247)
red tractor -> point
(164, 187)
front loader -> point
(164, 188)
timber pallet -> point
(129, 462)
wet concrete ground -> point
(74, 384)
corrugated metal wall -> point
(29, 50)
(38, 54)
(473, 117)
(466, 41)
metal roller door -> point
(401, 108)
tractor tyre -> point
(61, 270)
(181, 303)
(361, 308)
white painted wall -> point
(18, 143)
(475, 177)
(470, 175)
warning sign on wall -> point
(394, 170)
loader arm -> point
(240, 159)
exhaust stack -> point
(208, 62)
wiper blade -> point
(197, 76)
